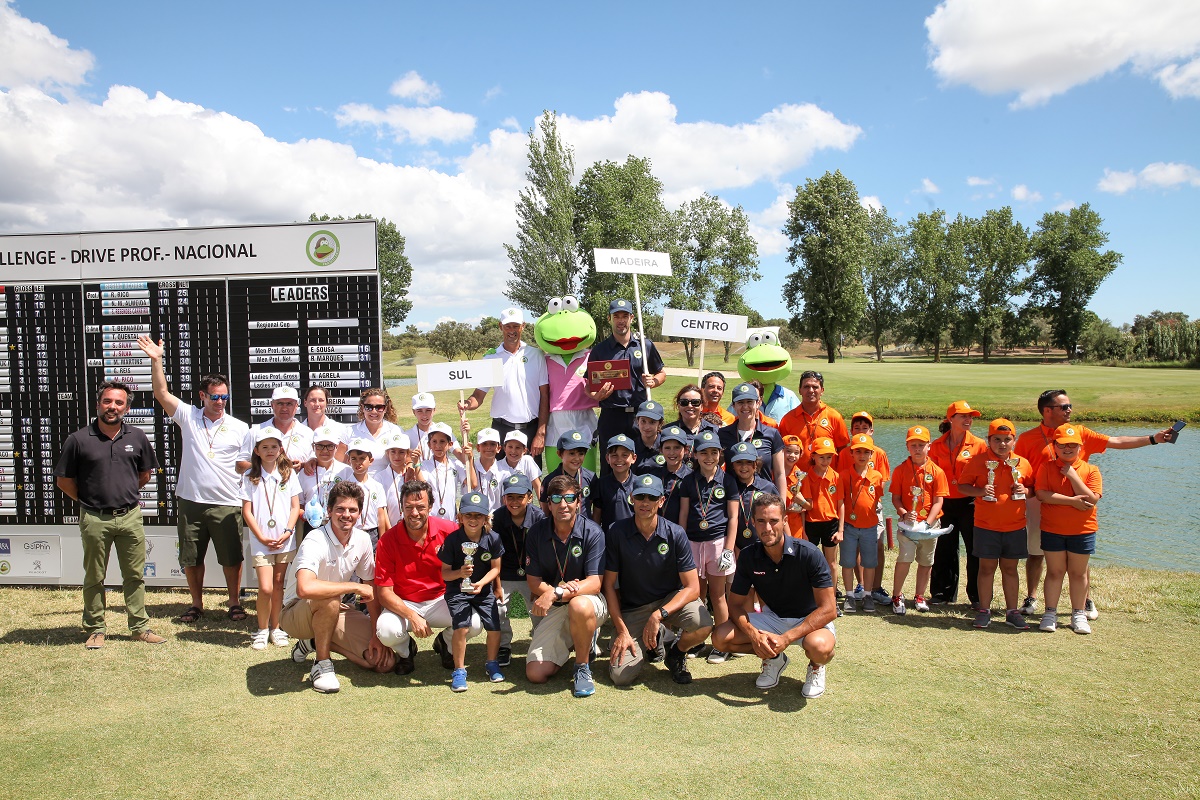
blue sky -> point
(128, 115)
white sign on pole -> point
(479, 374)
(704, 325)
(637, 262)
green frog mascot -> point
(565, 334)
(765, 361)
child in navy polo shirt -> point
(706, 509)
(744, 463)
(480, 599)
(611, 499)
(572, 450)
(649, 422)
(673, 442)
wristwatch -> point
(559, 592)
(663, 613)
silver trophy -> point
(468, 549)
(795, 490)
(1018, 492)
(992, 466)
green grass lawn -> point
(920, 706)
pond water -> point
(1149, 515)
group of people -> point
(723, 525)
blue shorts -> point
(859, 542)
(1083, 544)
(484, 604)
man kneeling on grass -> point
(795, 587)
(329, 559)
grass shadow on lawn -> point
(64, 635)
(222, 638)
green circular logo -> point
(663, 548)
(323, 248)
(485, 556)
(5, 567)
(719, 493)
(577, 551)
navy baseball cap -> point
(474, 503)
(673, 433)
(573, 440)
(620, 304)
(647, 484)
(650, 410)
(744, 391)
(743, 451)
(517, 483)
(707, 440)
(621, 440)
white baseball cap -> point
(396, 441)
(488, 435)
(284, 393)
(362, 445)
(512, 315)
(423, 400)
(517, 436)
(441, 427)
(267, 432)
(326, 435)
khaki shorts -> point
(352, 634)
(200, 523)
(691, 617)
(551, 639)
(921, 552)
(1033, 526)
(272, 559)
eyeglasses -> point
(1063, 406)
(692, 403)
(224, 398)
(375, 406)
(570, 497)
(324, 446)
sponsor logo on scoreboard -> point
(322, 248)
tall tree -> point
(395, 273)
(449, 339)
(883, 272)
(828, 229)
(718, 258)
(935, 262)
(997, 259)
(620, 206)
(1069, 267)
(544, 260)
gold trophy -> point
(468, 549)
(917, 491)
(992, 466)
(1018, 492)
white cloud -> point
(929, 187)
(870, 202)
(1023, 194)
(421, 125)
(492, 93)
(1065, 206)
(766, 226)
(972, 180)
(1040, 49)
(411, 86)
(1159, 175)
(30, 55)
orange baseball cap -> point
(862, 441)
(1067, 434)
(863, 415)
(793, 440)
(961, 407)
(997, 424)
(824, 447)
(917, 433)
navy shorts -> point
(1082, 544)
(999, 544)
(483, 604)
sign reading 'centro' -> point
(704, 325)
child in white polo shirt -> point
(374, 519)
(516, 460)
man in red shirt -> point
(813, 419)
(1037, 447)
(409, 584)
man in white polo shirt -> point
(522, 402)
(208, 488)
(297, 437)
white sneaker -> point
(814, 684)
(259, 642)
(772, 668)
(898, 606)
(1079, 622)
(1089, 608)
(1049, 622)
(324, 679)
(279, 637)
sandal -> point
(191, 615)
(237, 613)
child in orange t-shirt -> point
(999, 480)
(862, 488)
(918, 489)
(793, 450)
(1069, 488)
(825, 518)
(863, 422)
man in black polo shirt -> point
(659, 587)
(798, 606)
(104, 466)
(646, 371)
(563, 565)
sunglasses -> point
(1063, 406)
(224, 398)
(375, 406)
(692, 403)
(570, 497)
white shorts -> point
(394, 631)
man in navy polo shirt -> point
(646, 371)
(651, 559)
(563, 565)
(749, 428)
(796, 591)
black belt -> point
(116, 512)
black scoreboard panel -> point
(58, 341)
(304, 331)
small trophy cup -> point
(991, 480)
(917, 491)
(795, 490)
(1018, 492)
(468, 549)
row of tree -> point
(1162, 337)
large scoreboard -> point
(268, 306)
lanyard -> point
(213, 438)
(562, 565)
